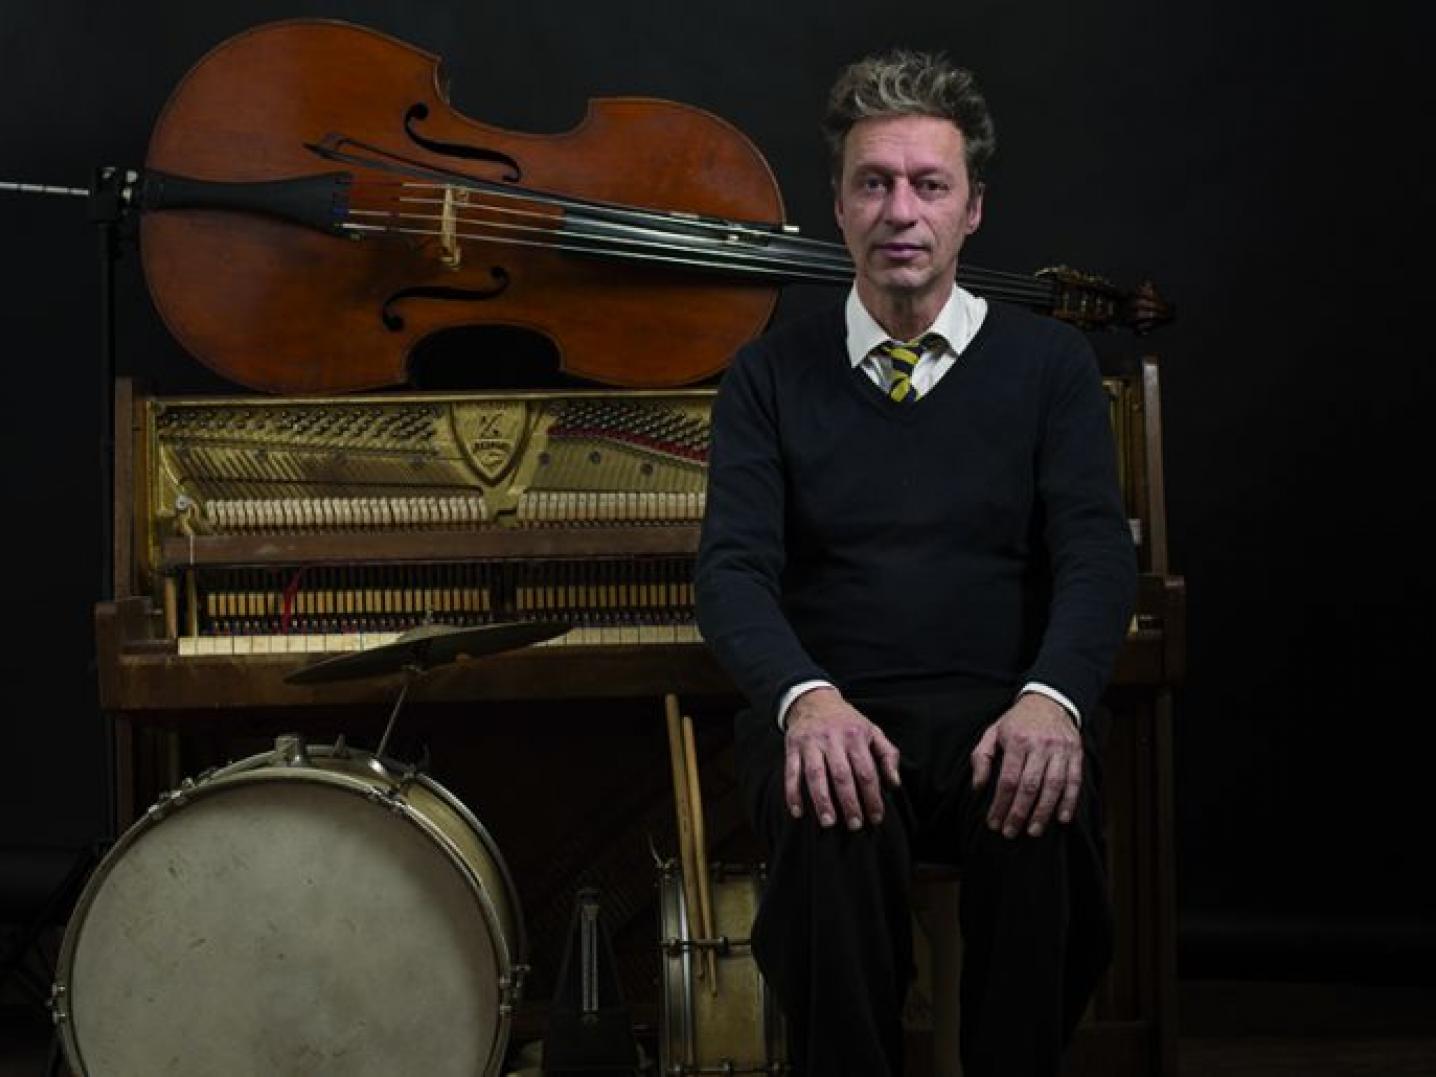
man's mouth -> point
(900, 252)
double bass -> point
(314, 208)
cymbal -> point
(427, 646)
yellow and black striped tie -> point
(904, 356)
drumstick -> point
(700, 850)
(686, 853)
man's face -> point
(905, 206)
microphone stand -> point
(110, 198)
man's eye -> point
(873, 183)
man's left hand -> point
(1041, 766)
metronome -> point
(590, 1031)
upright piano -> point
(254, 535)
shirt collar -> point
(958, 321)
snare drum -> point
(738, 1030)
(307, 911)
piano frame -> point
(155, 699)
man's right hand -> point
(839, 755)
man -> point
(916, 566)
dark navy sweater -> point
(976, 536)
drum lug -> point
(414, 771)
(511, 989)
(59, 1013)
(722, 944)
(173, 798)
(291, 750)
(410, 775)
(391, 798)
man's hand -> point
(1041, 766)
(838, 753)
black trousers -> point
(833, 936)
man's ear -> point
(974, 208)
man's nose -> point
(902, 203)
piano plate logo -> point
(493, 437)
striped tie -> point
(904, 356)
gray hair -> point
(905, 83)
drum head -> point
(288, 925)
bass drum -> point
(307, 911)
(738, 1029)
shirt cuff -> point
(1056, 697)
(791, 696)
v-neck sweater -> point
(974, 537)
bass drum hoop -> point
(385, 784)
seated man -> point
(916, 566)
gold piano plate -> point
(422, 462)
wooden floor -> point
(1230, 1029)
(1242, 1029)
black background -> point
(1263, 164)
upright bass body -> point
(284, 307)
